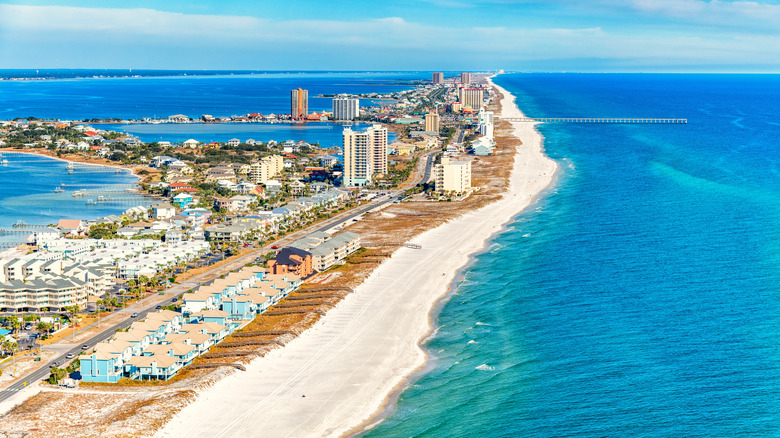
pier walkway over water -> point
(612, 120)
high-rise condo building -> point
(473, 97)
(465, 78)
(345, 108)
(438, 78)
(432, 122)
(452, 176)
(365, 155)
(485, 124)
(299, 104)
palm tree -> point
(73, 312)
(6, 347)
(15, 325)
(43, 328)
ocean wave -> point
(482, 323)
(485, 367)
(471, 342)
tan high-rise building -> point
(438, 78)
(432, 122)
(365, 155)
(472, 97)
(452, 176)
(379, 149)
(266, 169)
(299, 104)
(465, 78)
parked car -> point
(274, 247)
(158, 307)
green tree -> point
(43, 328)
(15, 325)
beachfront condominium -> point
(345, 108)
(465, 78)
(365, 155)
(472, 97)
(299, 104)
(452, 175)
(438, 78)
(432, 122)
(485, 123)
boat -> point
(59, 190)
(4, 161)
(79, 193)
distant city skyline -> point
(428, 35)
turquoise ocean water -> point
(640, 296)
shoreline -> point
(340, 377)
(391, 400)
(131, 170)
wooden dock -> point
(597, 120)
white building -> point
(485, 123)
(345, 108)
(365, 155)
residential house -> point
(163, 211)
(292, 260)
(182, 200)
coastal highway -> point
(394, 196)
(422, 173)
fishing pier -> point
(597, 120)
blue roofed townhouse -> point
(184, 352)
(239, 307)
(101, 367)
(267, 290)
(142, 338)
(217, 332)
(260, 301)
(168, 318)
(154, 367)
(197, 301)
(156, 331)
(201, 341)
(214, 315)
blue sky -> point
(517, 35)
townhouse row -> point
(166, 341)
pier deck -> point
(612, 120)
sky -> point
(419, 35)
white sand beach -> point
(352, 360)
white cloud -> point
(154, 38)
(745, 14)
